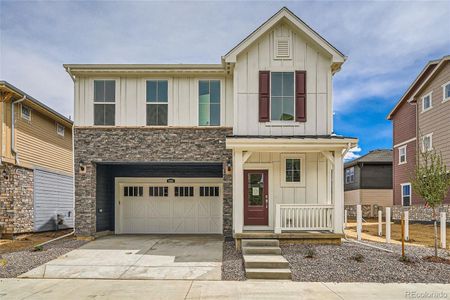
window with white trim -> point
(350, 175)
(402, 155)
(446, 92)
(26, 113)
(60, 129)
(427, 102)
(209, 102)
(157, 102)
(427, 142)
(292, 169)
(282, 103)
(104, 102)
(406, 194)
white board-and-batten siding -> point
(131, 100)
(304, 56)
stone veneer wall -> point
(16, 200)
(419, 212)
(143, 144)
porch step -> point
(261, 250)
(258, 243)
(265, 261)
(264, 273)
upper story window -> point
(402, 155)
(350, 175)
(446, 92)
(282, 96)
(292, 169)
(427, 142)
(60, 129)
(104, 102)
(406, 194)
(209, 102)
(26, 113)
(157, 102)
(427, 102)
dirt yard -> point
(420, 234)
(28, 241)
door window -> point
(255, 189)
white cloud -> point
(352, 154)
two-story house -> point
(421, 122)
(36, 165)
(243, 146)
(368, 182)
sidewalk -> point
(185, 289)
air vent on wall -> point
(283, 48)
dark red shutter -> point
(300, 96)
(264, 96)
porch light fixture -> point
(229, 165)
(82, 167)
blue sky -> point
(387, 44)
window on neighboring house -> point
(292, 169)
(209, 102)
(427, 142)
(282, 107)
(350, 175)
(446, 92)
(406, 194)
(402, 155)
(104, 102)
(26, 113)
(157, 102)
(60, 129)
(427, 102)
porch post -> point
(338, 192)
(238, 191)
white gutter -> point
(70, 74)
(13, 147)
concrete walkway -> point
(139, 257)
(176, 289)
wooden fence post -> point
(406, 225)
(380, 223)
(388, 224)
(358, 221)
(443, 229)
(345, 219)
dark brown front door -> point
(256, 197)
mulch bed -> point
(232, 263)
(353, 262)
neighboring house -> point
(368, 181)
(421, 122)
(231, 148)
(36, 181)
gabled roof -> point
(287, 15)
(378, 156)
(413, 87)
(6, 86)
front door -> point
(256, 197)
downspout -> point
(13, 146)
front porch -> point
(288, 188)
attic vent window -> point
(283, 48)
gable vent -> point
(282, 49)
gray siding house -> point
(368, 181)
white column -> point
(338, 193)
(345, 218)
(443, 230)
(406, 216)
(278, 218)
(358, 221)
(238, 192)
(388, 224)
(380, 223)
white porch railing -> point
(294, 217)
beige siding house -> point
(35, 164)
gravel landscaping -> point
(353, 262)
(232, 264)
(15, 263)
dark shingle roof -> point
(378, 156)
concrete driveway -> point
(194, 257)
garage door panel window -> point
(159, 191)
(133, 191)
(209, 191)
(184, 191)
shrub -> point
(358, 257)
(38, 248)
(310, 253)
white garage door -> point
(155, 206)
